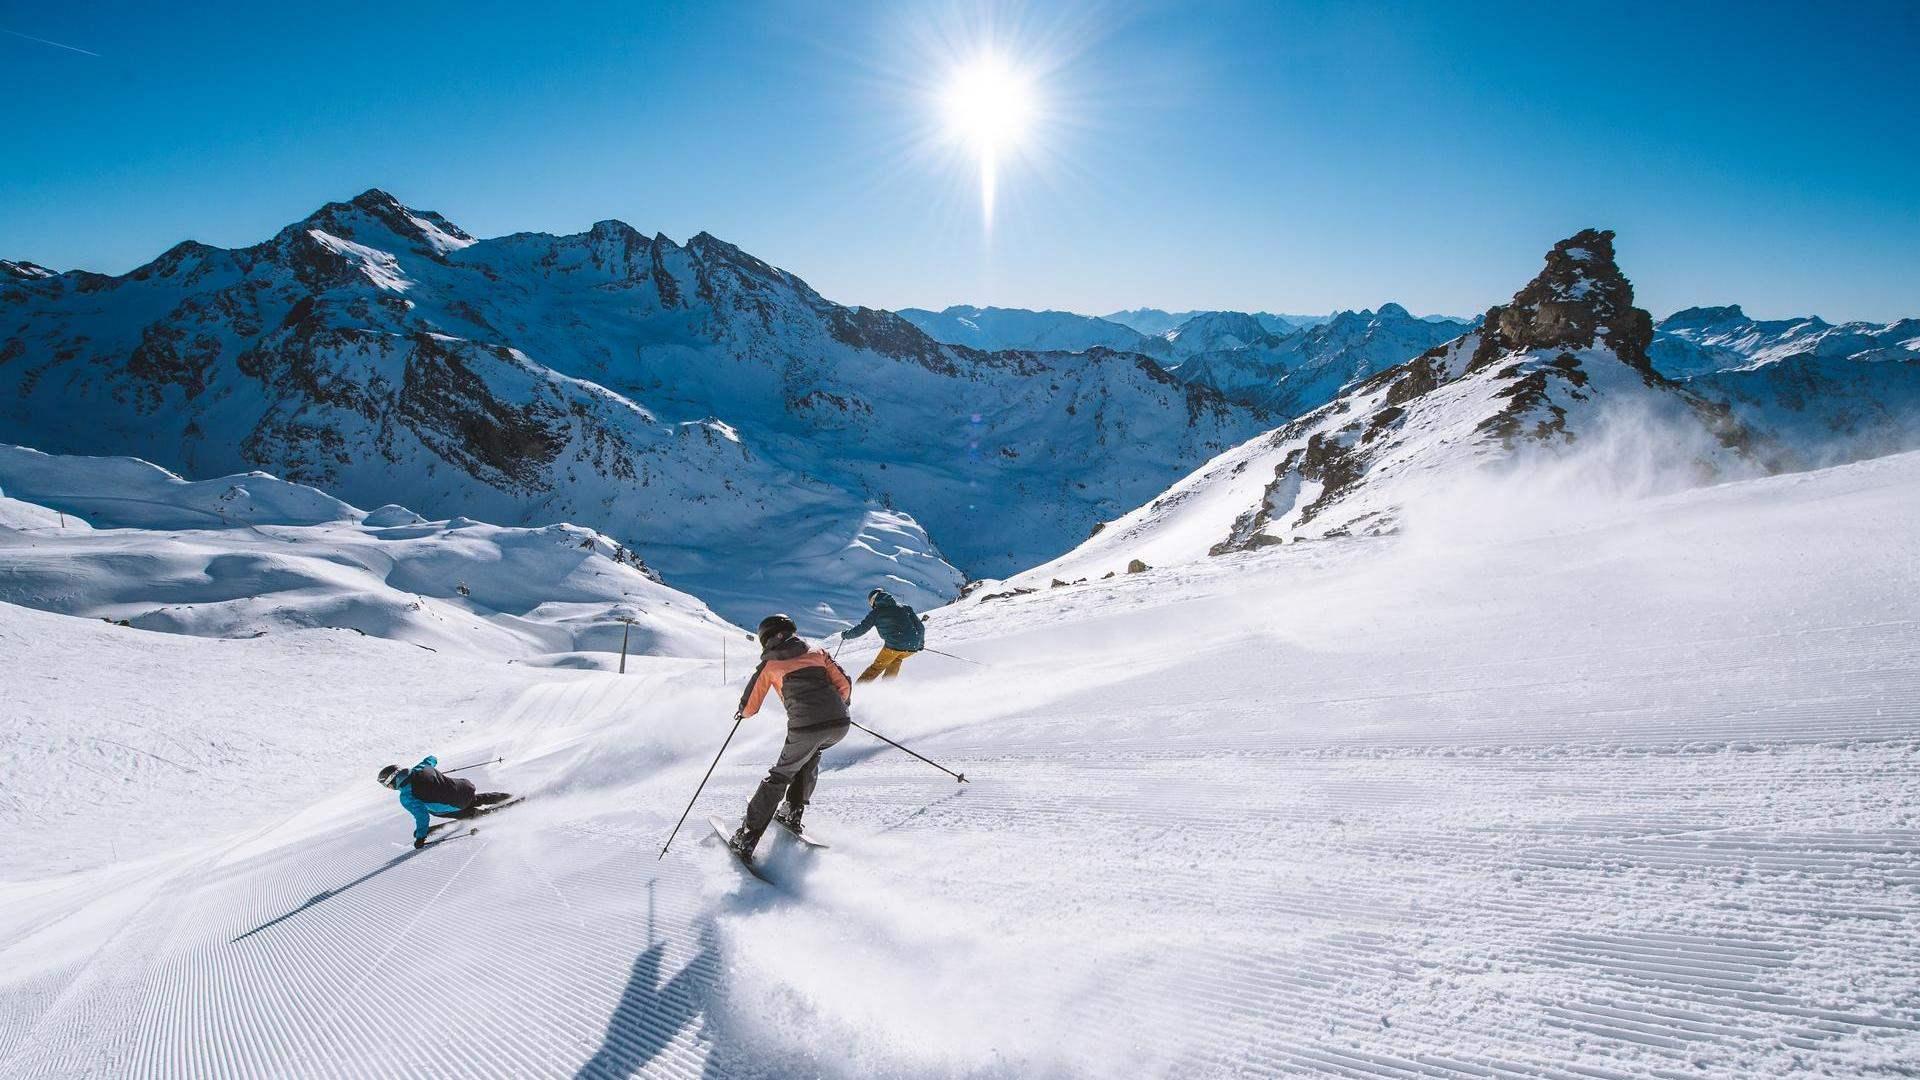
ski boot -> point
(789, 816)
(742, 845)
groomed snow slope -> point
(1617, 794)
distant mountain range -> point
(1157, 323)
(1829, 393)
(760, 446)
(992, 329)
(1704, 339)
(1279, 364)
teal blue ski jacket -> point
(434, 787)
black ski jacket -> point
(812, 687)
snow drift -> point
(247, 555)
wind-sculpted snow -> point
(704, 408)
(249, 555)
(1621, 792)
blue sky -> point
(1287, 157)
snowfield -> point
(1562, 788)
(241, 556)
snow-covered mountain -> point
(1291, 373)
(993, 329)
(1823, 410)
(1705, 339)
(1556, 365)
(24, 271)
(1271, 362)
(761, 446)
(241, 556)
(1827, 393)
(1220, 331)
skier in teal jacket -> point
(425, 790)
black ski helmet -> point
(387, 774)
(775, 629)
(874, 596)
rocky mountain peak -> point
(614, 230)
(1579, 297)
(1391, 310)
(1696, 317)
(375, 218)
(24, 270)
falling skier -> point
(901, 634)
(815, 693)
(425, 790)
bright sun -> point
(990, 107)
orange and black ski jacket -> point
(812, 687)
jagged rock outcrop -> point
(1580, 297)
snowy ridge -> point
(1563, 361)
(1376, 809)
(1702, 340)
(250, 555)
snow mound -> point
(391, 515)
(119, 492)
(245, 556)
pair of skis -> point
(725, 832)
(476, 812)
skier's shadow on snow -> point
(652, 1013)
(328, 894)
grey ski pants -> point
(793, 776)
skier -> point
(901, 634)
(815, 693)
(425, 790)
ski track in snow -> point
(1535, 807)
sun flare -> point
(989, 107)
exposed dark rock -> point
(1579, 297)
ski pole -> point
(475, 765)
(958, 777)
(703, 786)
(950, 656)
